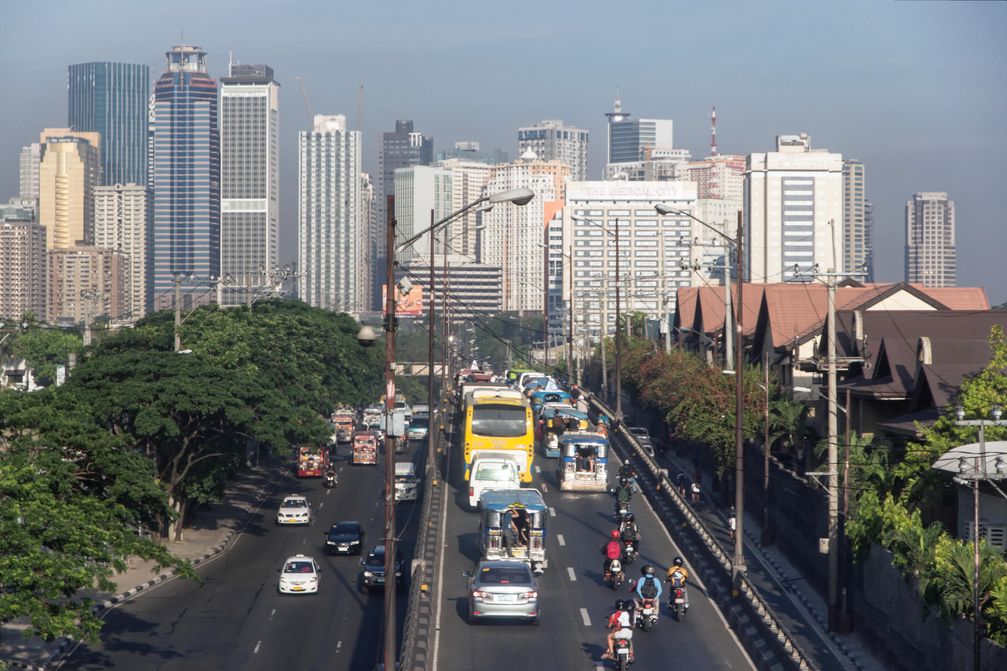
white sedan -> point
(300, 575)
(294, 510)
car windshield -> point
(496, 471)
(299, 567)
(504, 576)
(344, 529)
(502, 421)
(295, 503)
(418, 423)
(376, 560)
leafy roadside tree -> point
(44, 349)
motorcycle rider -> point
(612, 550)
(623, 494)
(677, 577)
(648, 587)
(628, 529)
(621, 625)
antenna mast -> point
(713, 131)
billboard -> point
(408, 305)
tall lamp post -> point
(973, 462)
(366, 337)
(739, 394)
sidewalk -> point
(790, 594)
(212, 532)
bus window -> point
(503, 421)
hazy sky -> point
(915, 90)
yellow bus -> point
(499, 420)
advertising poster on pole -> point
(408, 305)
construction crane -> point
(360, 109)
(304, 95)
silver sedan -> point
(503, 589)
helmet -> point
(623, 481)
(615, 533)
(630, 518)
(620, 604)
(678, 561)
(647, 570)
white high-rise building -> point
(652, 250)
(931, 258)
(328, 215)
(513, 235)
(468, 183)
(420, 189)
(367, 247)
(250, 181)
(121, 218)
(856, 237)
(793, 211)
(31, 156)
(642, 149)
(552, 140)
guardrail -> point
(661, 487)
(417, 628)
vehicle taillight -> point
(531, 594)
(479, 594)
(472, 491)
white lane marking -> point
(272, 613)
(537, 469)
(304, 542)
(257, 646)
(552, 512)
(440, 570)
(321, 504)
(327, 492)
(573, 574)
(562, 541)
(584, 616)
(545, 488)
(338, 646)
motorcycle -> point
(647, 617)
(329, 480)
(622, 511)
(629, 551)
(615, 576)
(678, 608)
(622, 654)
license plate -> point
(297, 588)
(506, 598)
(379, 581)
(678, 601)
(344, 547)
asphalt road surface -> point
(235, 619)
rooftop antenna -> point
(713, 131)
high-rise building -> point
(249, 181)
(31, 157)
(856, 239)
(719, 177)
(22, 268)
(468, 150)
(474, 289)
(121, 220)
(931, 258)
(419, 190)
(793, 211)
(84, 282)
(869, 241)
(367, 253)
(111, 100)
(468, 183)
(513, 236)
(552, 140)
(185, 241)
(631, 140)
(328, 216)
(720, 187)
(402, 148)
(68, 172)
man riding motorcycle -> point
(623, 494)
(648, 587)
(677, 577)
(612, 550)
(630, 535)
(621, 624)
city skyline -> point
(951, 144)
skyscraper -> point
(418, 190)
(366, 245)
(31, 157)
(931, 259)
(22, 268)
(793, 211)
(329, 218)
(185, 240)
(121, 220)
(399, 149)
(250, 181)
(468, 150)
(856, 238)
(869, 240)
(68, 172)
(84, 282)
(111, 99)
(468, 181)
(632, 140)
(552, 140)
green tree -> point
(44, 349)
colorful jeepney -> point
(365, 448)
(583, 465)
(555, 421)
(512, 526)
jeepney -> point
(512, 526)
(555, 421)
(583, 465)
(365, 448)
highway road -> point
(235, 619)
(575, 603)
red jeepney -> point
(365, 448)
(312, 461)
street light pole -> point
(739, 408)
(430, 359)
(545, 292)
(618, 344)
(390, 319)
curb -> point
(105, 605)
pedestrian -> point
(732, 521)
(695, 491)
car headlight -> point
(356, 542)
(368, 574)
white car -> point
(294, 509)
(300, 575)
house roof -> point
(685, 307)
(793, 312)
(710, 308)
(958, 298)
(905, 425)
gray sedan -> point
(503, 589)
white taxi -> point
(294, 509)
(300, 575)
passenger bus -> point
(500, 420)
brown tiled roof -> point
(711, 309)
(958, 298)
(795, 311)
(685, 306)
(905, 425)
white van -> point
(491, 471)
(406, 483)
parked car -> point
(373, 574)
(503, 589)
(345, 538)
(300, 575)
(642, 436)
(294, 509)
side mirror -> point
(467, 574)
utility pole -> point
(833, 461)
(178, 311)
(569, 334)
(88, 296)
(618, 345)
(545, 293)
(767, 534)
(728, 307)
(390, 325)
(604, 329)
(739, 408)
(665, 314)
(430, 356)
